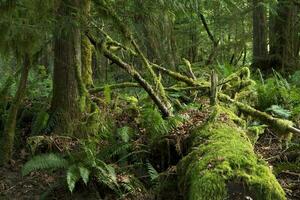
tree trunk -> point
(284, 39)
(86, 49)
(65, 107)
(259, 35)
(7, 141)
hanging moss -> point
(223, 165)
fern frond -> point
(114, 150)
(279, 111)
(73, 176)
(153, 122)
(153, 174)
(42, 162)
(84, 173)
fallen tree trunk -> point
(222, 165)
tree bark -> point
(86, 48)
(65, 107)
(7, 140)
(284, 39)
(259, 35)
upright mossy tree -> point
(86, 46)
(284, 36)
(65, 105)
(259, 34)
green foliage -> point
(39, 123)
(87, 164)
(43, 162)
(107, 94)
(156, 126)
(295, 79)
(225, 70)
(39, 84)
(153, 174)
(73, 176)
(279, 111)
(278, 96)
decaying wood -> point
(213, 88)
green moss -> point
(254, 132)
(287, 166)
(86, 59)
(224, 154)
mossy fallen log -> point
(222, 165)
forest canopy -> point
(140, 99)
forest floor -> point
(15, 187)
(269, 147)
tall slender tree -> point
(284, 37)
(260, 51)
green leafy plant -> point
(156, 126)
(279, 111)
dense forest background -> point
(140, 99)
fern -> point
(153, 174)
(279, 111)
(153, 122)
(42, 162)
(73, 176)
(106, 174)
(114, 150)
(84, 173)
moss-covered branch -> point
(129, 36)
(174, 88)
(136, 75)
(281, 125)
(177, 76)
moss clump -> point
(224, 156)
